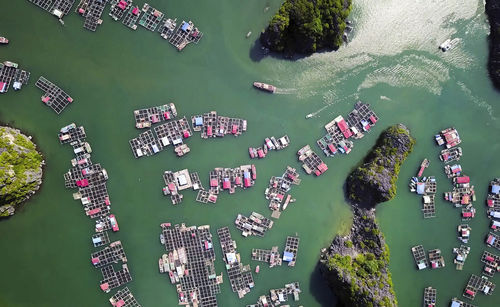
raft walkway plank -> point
(151, 17)
(124, 298)
(53, 96)
(190, 264)
(240, 276)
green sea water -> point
(392, 62)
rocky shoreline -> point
(374, 180)
(493, 11)
(21, 170)
(355, 266)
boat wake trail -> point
(286, 91)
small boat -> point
(309, 115)
(3, 40)
(61, 21)
(160, 265)
(10, 64)
(257, 269)
(165, 225)
(265, 87)
(445, 45)
(114, 223)
(162, 239)
(248, 34)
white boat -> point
(445, 45)
(309, 115)
(248, 34)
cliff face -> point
(304, 26)
(374, 180)
(20, 169)
(493, 12)
(356, 265)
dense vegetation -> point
(493, 12)
(374, 180)
(304, 26)
(20, 169)
(356, 265)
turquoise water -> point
(392, 63)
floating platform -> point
(478, 284)
(92, 11)
(71, 134)
(185, 34)
(436, 259)
(114, 279)
(53, 96)
(420, 257)
(167, 29)
(462, 196)
(151, 17)
(145, 145)
(291, 250)
(458, 303)
(113, 253)
(449, 155)
(131, 17)
(340, 131)
(189, 263)
(58, 8)
(179, 181)
(100, 239)
(277, 190)
(144, 118)
(271, 256)
(461, 255)
(240, 276)
(468, 213)
(464, 232)
(212, 125)
(254, 225)
(448, 137)
(493, 240)
(206, 197)
(278, 296)
(491, 263)
(423, 166)
(430, 297)
(119, 8)
(11, 74)
(124, 298)
(312, 163)
(228, 179)
(453, 171)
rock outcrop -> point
(305, 26)
(493, 12)
(374, 180)
(355, 266)
(20, 169)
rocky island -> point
(374, 180)
(355, 266)
(20, 169)
(493, 12)
(305, 26)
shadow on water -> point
(319, 289)
(258, 52)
